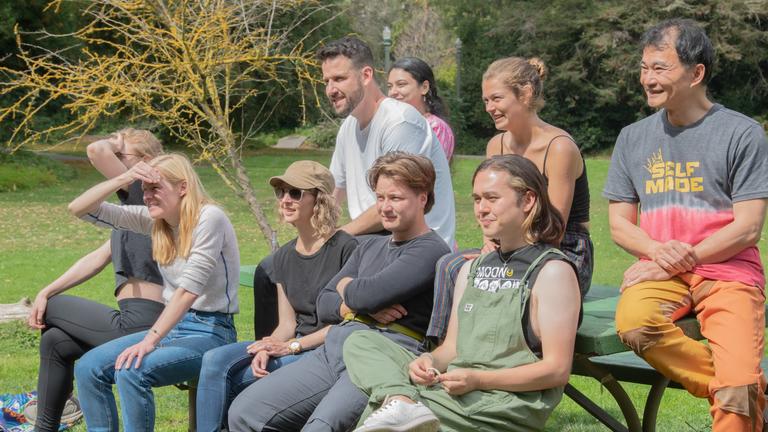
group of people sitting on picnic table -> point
(382, 324)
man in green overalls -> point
(508, 351)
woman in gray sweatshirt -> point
(196, 249)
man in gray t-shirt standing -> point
(696, 171)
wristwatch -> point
(294, 346)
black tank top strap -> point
(580, 205)
(546, 152)
(501, 143)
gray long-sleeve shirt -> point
(213, 266)
(386, 273)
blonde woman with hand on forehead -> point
(196, 249)
(70, 325)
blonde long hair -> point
(325, 214)
(177, 169)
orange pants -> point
(727, 371)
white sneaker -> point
(396, 415)
(71, 414)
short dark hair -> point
(420, 71)
(692, 45)
(350, 47)
(414, 171)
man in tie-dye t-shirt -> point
(688, 188)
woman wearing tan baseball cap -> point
(301, 268)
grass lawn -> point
(39, 240)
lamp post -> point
(458, 68)
(386, 35)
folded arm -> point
(103, 155)
(395, 283)
(330, 306)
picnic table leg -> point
(595, 410)
(652, 404)
(615, 389)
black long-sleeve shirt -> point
(386, 273)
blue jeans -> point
(225, 373)
(176, 359)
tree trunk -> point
(248, 194)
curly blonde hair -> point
(325, 214)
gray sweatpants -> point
(312, 394)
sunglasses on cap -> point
(295, 194)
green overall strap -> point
(524, 281)
(475, 264)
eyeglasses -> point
(123, 155)
(294, 194)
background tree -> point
(190, 66)
(592, 51)
(30, 15)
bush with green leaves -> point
(593, 55)
(323, 134)
(24, 170)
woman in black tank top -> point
(512, 93)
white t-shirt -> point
(396, 126)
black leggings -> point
(74, 325)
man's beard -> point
(353, 100)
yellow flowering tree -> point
(189, 66)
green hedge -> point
(24, 170)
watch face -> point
(294, 346)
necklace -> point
(511, 254)
(500, 277)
